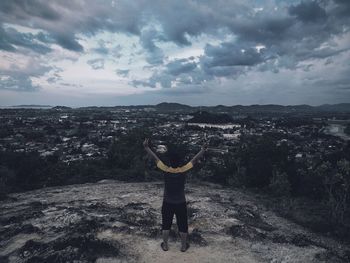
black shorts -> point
(180, 211)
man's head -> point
(175, 155)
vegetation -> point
(257, 162)
(347, 129)
(207, 117)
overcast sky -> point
(197, 52)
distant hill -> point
(171, 106)
(256, 108)
(207, 117)
(31, 106)
(61, 108)
(335, 107)
(244, 109)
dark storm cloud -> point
(293, 35)
(10, 38)
(154, 54)
(180, 66)
(182, 18)
(63, 20)
(179, 20)
(231, 54)
(17, 83)
(68, 42)
(290, 35)
(5, 43)
(20, 79)
(308, 12)
(24, 9)
(342, 8)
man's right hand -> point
(205, 146)
(145, 143)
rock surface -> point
(120, 222)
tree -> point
(337, 185)
(279, 183)
(126, 149)
(7, 181)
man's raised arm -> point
(149, 151)
(199, 154)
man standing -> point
(174, 201)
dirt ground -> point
(113, 221)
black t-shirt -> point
(174, 188)
(174, 182)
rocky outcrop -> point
(120, 222)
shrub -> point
(279, 184)
(7, 180)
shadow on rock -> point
(246, 232)
(69, 248)
(328, 256)
(9, 232)
(32, 210)
(192, 213)
(251, 217)
(196, 237)
(138, 214)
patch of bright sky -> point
(22, 29)
(124, 53)
(13, 60)
(196, 49)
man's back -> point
(174, 188)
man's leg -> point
(184, 243)
(181, 219)
(165, 234)
(167, 220)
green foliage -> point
(279, 184)
(6, 131)
(310, 182)
(258, 156)
(7, 180)
(127, 151)
(347, 129)
(208, 117)
(126, 161)
(337, 185)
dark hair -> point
(176, 154)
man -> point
(174, 201)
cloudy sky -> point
(197, 52)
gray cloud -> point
(17, 83)
(296, 36)
(97, 63)
(231, 54)
(308, 12)
(63, 20)
(16, 79)
(68, 42)
(101, 49)
(10, 38)
(123, 72)
(24, 9)
(154, 55)
(180, 66)
(143, 83)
